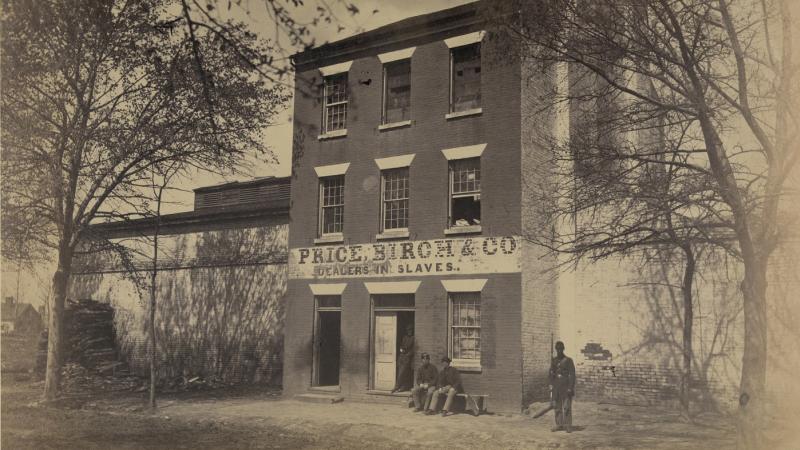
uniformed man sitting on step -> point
(424, 384)
(449, 384)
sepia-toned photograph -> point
(397, 224)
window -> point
(335, 99)
(465, 81)
(397, 91)
(331, 204)
(465, 327)
(465, 192)
(395, 199)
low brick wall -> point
(641, 383)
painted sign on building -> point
(407, 258)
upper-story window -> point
(331, 204)
(396, 91)
(465, 79)
(465, 192)
(335, 103)
(394, 205)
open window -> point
(396, 91)
(465, 192)
(465, 79)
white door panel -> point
(385, 350)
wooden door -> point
(385, 350)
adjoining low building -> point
(221, 283)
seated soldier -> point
(424, 384)
(449, 384)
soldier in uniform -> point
(562, 385)
(424, 384)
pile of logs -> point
(89, 333)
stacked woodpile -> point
(89, 334)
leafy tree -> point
(95, 95)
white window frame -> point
(321, 207)
(452, 195)
(464, 363)
(325, 105)
(383, 228)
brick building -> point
(410, 164)
(420, 151)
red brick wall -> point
(500, 345)
(430, 133)
(498, 126)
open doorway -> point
(327, 340)
(393, 343)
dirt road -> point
(263, 420)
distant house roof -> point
(11, 311)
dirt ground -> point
(249, 417)
(261, 419)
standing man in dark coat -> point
(562, 385)
(424, 384)
(449, 384)
(405, 362)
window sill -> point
(392, 234)
(333, 238)
(393, 125)
(332, 135)
(465, 113)
(471, 229)
(468, 367)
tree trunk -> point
(153, 278)
(152, 330)
(688, 323)
(754, 358)
(55, 323)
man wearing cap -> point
(449, 383)
(405, 362)
(424, 384)
(562, 385)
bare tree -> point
(94, 96)
(720, 76)
(161, 179)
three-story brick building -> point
(410, 165)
